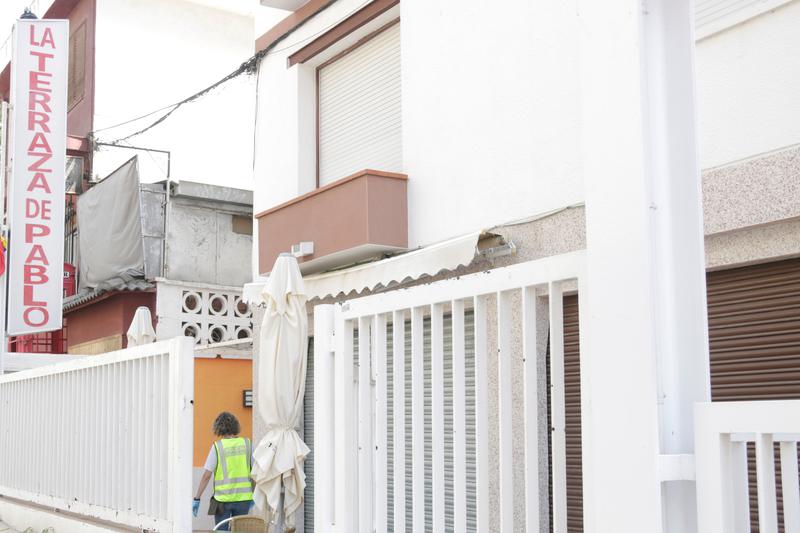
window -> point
(242, 225)
(359, 102)
(76, 81)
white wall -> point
(490, 113)
(748, 81)
(487, 136)
(150, 53)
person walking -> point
(229, 461)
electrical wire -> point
(248, 67)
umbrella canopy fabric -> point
(141, 330)
(279, 457)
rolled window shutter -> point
(359, 109)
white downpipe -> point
(678, 259)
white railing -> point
(367, 441)
(109, 437)
(722, 433)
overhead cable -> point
(248, 67)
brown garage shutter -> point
(572, 393)
(754, 334)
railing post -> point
(345, 459)
(710, 465)
(324, 451)
(181, 419)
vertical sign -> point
(36, 189)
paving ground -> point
(6, 529)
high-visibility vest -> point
(232, 476)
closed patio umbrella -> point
(279, 457)
(141, 330)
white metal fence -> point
(389, 455)
(722, 433)
(108, 437)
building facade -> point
(405, 143)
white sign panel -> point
(36, 189)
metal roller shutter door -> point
(359, 109)
(469, 349)
(572, 397)
(754, 335)
(308, 438)
(572, 392)
(754, 332)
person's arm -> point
(203, 483)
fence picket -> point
(530, 392)
(379, 364)
(437, 414)
(459, 419)
(558, 410)
(790, 486)
(481, 417)
(365, 489)
(765, 473)
(418, 421)
(399, 430)
(506, 414)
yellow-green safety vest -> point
(232, 476)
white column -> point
(324, 491)
(645, 314)
(4, 124)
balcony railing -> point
(350, 220)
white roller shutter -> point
(359, 109)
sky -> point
(9, 11)
(264, 17)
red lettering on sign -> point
(39, 181)
(35, 230)
(39, 144)
(37, 255)
(36, 118)
(43, 57)
(41, 99)
(39, 82)
(35, 275)
(38, 208)
(27, 316)
(28, 298)
(37, 165)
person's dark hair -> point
(226, 424)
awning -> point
(427, 261)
